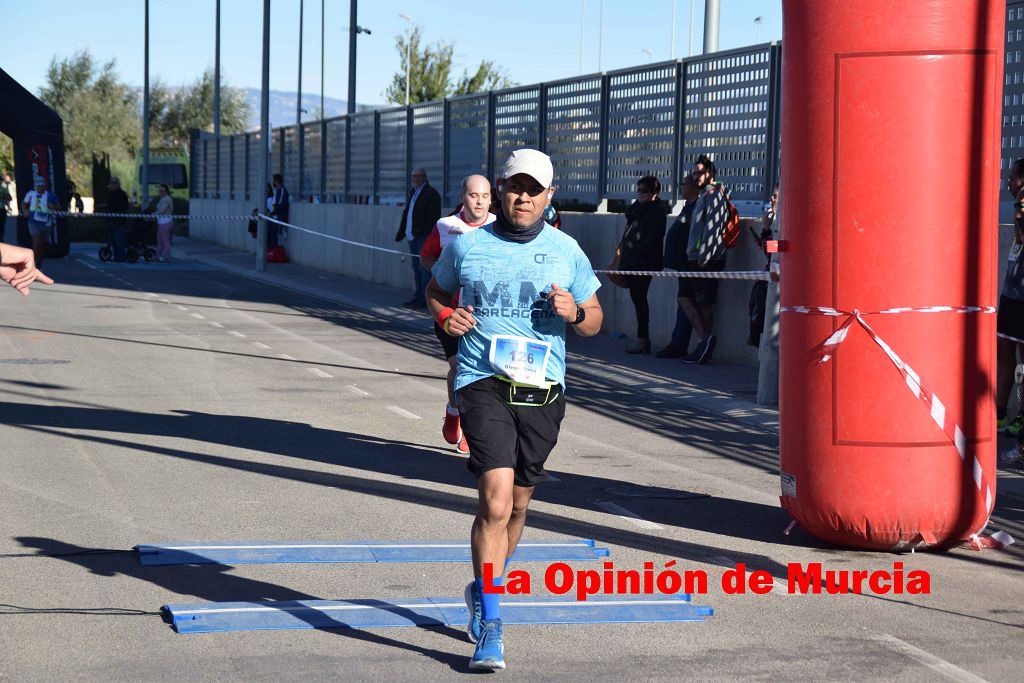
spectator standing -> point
(1010, 320)
(164, 224)
(759, 292)
(5, 199)
(40, 205)
(705, 252)
(675, 258)
(117, 202)
(642, 249)
(421, 214)
(278, 208)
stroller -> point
(135, 242)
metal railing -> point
(602, 131)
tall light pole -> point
(672, 49)
(298, 89)
(712, 9)
(689, 52)
(583, 14)
(323, 23)
(649, 52)
(261, 230)
(354, 29)
(216, 73)
(408, 64)
(144, 180)
(757, 29)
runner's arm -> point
(591, 325)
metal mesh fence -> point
(311, 154)
(335, 189)
(641, 128)
(726, 113)
(428, 141)
(392, 173)
(516, 123)
(360, 186)
(467, 141)
(573, 137)
(238, 178)
(223, 161)
(290, 158)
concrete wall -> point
(598, 235)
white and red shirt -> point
(446, 230)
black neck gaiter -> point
(504, 229)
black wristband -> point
(581, 315)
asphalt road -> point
(182, 403)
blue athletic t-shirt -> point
(505, 282)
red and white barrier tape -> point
(713, 274)
(913, 381)
(149, 216)
(1013, 339)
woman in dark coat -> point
(641, 249)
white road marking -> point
(216, 324)
(198, 316)
(320, 373)
(236, 333)
(86, 264)
(936, 664)
(404, 413)
(352, 388)
(285, 356)
(152, 294)
(627, 515)
(261, 345)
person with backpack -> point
(641, 248)
(714, 229)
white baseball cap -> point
(535, 164)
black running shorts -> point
(502, 435)
(1010, 321)
(703, 290)
(449, 343)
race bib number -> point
(523, 360)
(1015, 252)
(41, 217)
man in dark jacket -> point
(421, 214)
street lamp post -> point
(757, 29)
(649, 52)
(408, 41)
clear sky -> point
(534, 40)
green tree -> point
(100, 112)
(6, 155)
(430, 72)
(176, 111)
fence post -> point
(376, 158)
(679, 138)
(323, 158)
(774, 129)
(542, 118)
(408, 145)
(490, 135)
(445, 141)
(602, 165)
(300, 139)
(231, 168)
(348, 159)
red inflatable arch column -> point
(890, 179)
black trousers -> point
(639, 285)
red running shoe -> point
(463, 446)
(452, 429)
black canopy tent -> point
(38, 135)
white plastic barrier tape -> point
(914, 384)
(332, 237)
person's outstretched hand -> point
(18, 268)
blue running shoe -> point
(490, 649)
(475, 605)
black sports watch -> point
(581, 315)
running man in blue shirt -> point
(522, 283)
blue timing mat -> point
(241, 552)
(253, 616)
